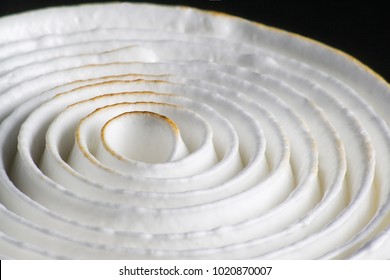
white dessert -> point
(143, 131)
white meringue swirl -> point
(137, 131)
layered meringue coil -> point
(137, 131)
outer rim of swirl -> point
(332, 49)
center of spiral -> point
(143, 136)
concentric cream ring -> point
(237, 141)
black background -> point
(360, 28)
